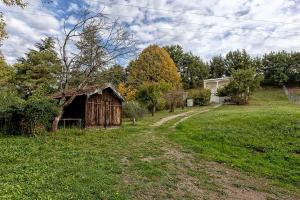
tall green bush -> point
(20, 117)
(134, 111)
(201, 96)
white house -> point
(214, 85)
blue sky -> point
(204, 27)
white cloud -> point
(204, 27)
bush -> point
(201, 96)
(242, 85)
(32, 116)
(134, 111)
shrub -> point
(133, 110)
(242, 85)
(32, 116)
(201, 96)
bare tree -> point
(176, 97)
(89, 46)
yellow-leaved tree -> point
(153, 65)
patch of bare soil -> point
(166, 119)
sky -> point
(206, 28)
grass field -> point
(262, 138)
(255, 146)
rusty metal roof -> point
(88, 91)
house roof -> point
(218, 79)
(88, 91)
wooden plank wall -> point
(103, 110)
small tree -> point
(176, 97)
(149, 94)
(242, 85)
(133, 110)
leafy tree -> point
(154, 64)
(294, 70)
(127, 92)
(192, 69)
(275, 68)
(176, 97)
(217, 68)
(134, 111)
(235, 60)
(242, 85)
(149, 94)
(38, 67)
(195, 72)
(115, 75)
(6, 73)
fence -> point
(292, 97)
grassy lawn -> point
(88, 164)
(146, 162)
(262, 138)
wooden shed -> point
(94, 106)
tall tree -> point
(115, 75)
(217, 68)
(195, 71)
(192, 68)
(235, 60)
(39, 67)
(90, 45)
(154, 64)
(275, 68)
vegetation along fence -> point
(292, 96)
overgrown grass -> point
(262, 138)
(82, 164)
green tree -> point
(275, 68)
(6, 73)
(154, 64)
(242, 85)
(192, 68)
(149, 94)
(294, 70)
(217, 68)
(115, 75)
(39, 67)
(235, 60)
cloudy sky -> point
(204, 27)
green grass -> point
(262, 138)
(85, 164)
(159, 163)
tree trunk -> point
(56, 120)
(133, 121)
(153, 110)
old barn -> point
(94, 106)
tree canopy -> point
(217, 68)
(38, 67)
(154, 64)
(192, 68)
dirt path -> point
(183, 175)
(166, 119)
(185, 116)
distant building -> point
(214, 85)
